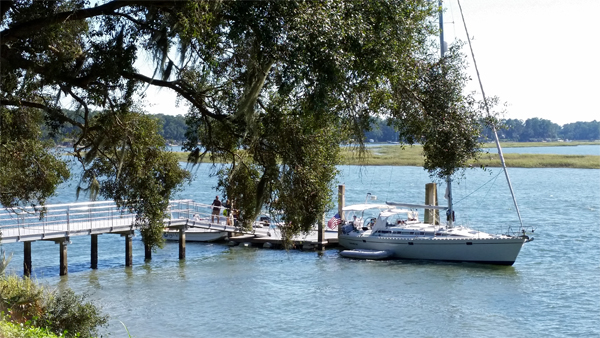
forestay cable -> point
(488, 112)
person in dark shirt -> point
(227, 211)
(216, 204)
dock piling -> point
(27, 259)
(128, 249)
(64, 268)
(431, 216)
(182, 242)
(321, 234)
(147, 252)
(94, 251)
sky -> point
(540, 57)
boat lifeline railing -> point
(416, 206)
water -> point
(553, 289)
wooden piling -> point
(341, 204)
(431, 216)
(94, 252)
(181, 243)
(321, 234)
(27, 259)
(64, 268)
(147, 252)
(128, 249)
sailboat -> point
(396, 231)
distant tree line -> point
(381, 132)
(173, 129)
(530, 130)
(536, 129)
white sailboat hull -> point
(501, 251)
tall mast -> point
(441, 28)
(450, 211)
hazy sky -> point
(541, 57)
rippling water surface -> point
(553, 289)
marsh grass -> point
(412, 156)
(540, 144)
(542, 161)
(385, 155)
(398, 155)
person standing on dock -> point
(216, 204)
(227, 211)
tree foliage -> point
(30, 170)
(172, 128)
(581, 131)
(273, 88)
(50, 54)
(537, 129)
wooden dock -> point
(63, 221)
(268, 236)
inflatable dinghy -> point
(366, 254)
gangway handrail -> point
(82, 218)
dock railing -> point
(60, 220)
(84, 218)
(188, 209)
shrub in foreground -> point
(9, 329)
(67, 311)
(31, 310)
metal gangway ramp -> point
(60, 222)
(79, 219)
(63, 220)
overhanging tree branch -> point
(28, 28)
(175, 85)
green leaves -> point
(435, 113)
(132, 166)
(30, 170)
(273, 88)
